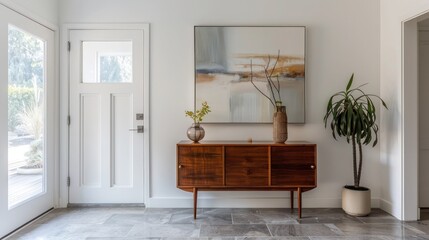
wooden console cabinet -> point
(233, 165)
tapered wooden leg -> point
(299, 202)
(291, 201)
(195, 202)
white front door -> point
(106, 110)
(27, 108)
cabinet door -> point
(200, 166)
(246, 166)
(293, 165)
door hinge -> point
(68, 46)
(68, 181)
(68, 120)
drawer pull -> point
(180, 166)
(312, 166)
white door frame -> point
(47, 32)
(56, 85)
(64, 103)
(410, 117)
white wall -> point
(45, 10)
(339, 42)
(397, 157)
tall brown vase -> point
(280, 125)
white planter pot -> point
(356, 202)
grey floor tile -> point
(247, 218)
(165, 230)
(284, 211)
(84, 215)
(261, 218)
(329, 219)
(246, 210)
(378, 216)
(201, 238)
(172, 211)
(379, 220)
(418, 226)
(217, 210)
(272, 238)
(203, 218)
(218, 223)
(93, 230)
(416, 237)
(421, 237)
(122, 238)
(250, 230)
(392, 230)
(138, 219)
(71, 231)
(423, 221)
(58, 215)
(38, 231)
(322, 212)
(352, 238)
(283, 217)
(376, 212)
(304, 230)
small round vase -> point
(280, 125)
(195, 132)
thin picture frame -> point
(223, 56)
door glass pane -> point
(107, 62)
(26, 94)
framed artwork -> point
(228, 57)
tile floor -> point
(237, 224)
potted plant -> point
(196, 132)
(351, 114)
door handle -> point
(139, 129)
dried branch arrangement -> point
(273, 85)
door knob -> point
(139, 129)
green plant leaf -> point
(350, 82)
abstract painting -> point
(227, 58)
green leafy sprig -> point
(198, 115)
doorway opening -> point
(415, 159)
(423, 114)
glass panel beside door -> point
(26, 121)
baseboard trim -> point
(274, 202)
(102, 205)
(388, 207)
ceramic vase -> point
(195, 132)
(280, 125)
